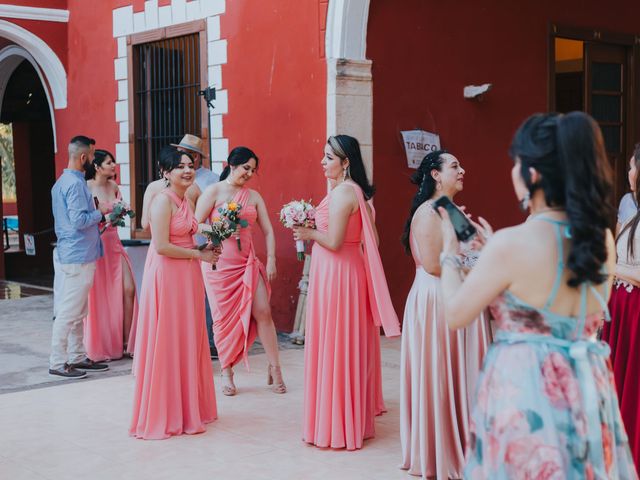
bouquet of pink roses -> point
(116, 217)
(298, 213)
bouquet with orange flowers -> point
(226, 225)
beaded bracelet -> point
(450, 259)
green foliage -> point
(8, 165)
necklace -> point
(547, 210)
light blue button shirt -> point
(76, 219)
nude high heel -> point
(229, 390)
(275, 373)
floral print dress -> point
(546, 401)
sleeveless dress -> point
(347, 302)
(439, 368)
(546, 403)
(174, 391)
(623, 336)
(231, 287)
(103, 326)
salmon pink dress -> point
(231, 287)
(103, 326)
(348, 300)
(174, 391)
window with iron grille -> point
(166, 103)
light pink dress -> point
(174, 391)
(438, 372)
(103, 326)
(348, 301)
(231, 287)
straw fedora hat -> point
(190, 142)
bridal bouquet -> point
(116, 217)
(226, 225)
(298, 213)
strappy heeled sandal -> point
(229, 390)
(274, 377)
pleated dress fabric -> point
(439, 368)
(343, 373)
(174, 392)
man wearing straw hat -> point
(204, 177)
(193, 145)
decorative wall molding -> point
(46, 58)
(125, 23)
(34, 13)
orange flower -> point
(215, 219)
(233, 206)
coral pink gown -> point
(103, 326)
(231, 287)
(347, 302)
(174, 392)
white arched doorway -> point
(349, 81)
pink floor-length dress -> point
(347, 302)
(232, 286)
(103, 326)
(438, 372)
(174, 392)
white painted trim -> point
(346, 35)
(349, 81)
(10, 57)
(45, 57)
(125, 23)
(34, 13)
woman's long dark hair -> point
(238, 156)
(632, 225)
(426, 188)
(99, 157)
(568, 152)
(347, 147)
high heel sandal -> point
(229, 390)
(275, 373)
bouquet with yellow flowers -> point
(226, 225)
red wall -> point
(276, 80)
(91, 89)
(424, 53)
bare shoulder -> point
(114, 186)
(344, 193)
(156, 186)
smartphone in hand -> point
(461, 224)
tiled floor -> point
(78, 430)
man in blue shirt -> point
(74, 260)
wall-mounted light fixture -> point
(476, 92)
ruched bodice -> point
(353, 235)
(183, 223)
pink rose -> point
(560, 384)
(528, 458)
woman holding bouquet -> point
(174, 391)
(347, 302)
(239, 289)
(109, 328)
(438, 367)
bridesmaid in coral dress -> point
(623, 332)
(109, 328)
(174, 391)
(439, 367)
(347, 303)
(239, 289)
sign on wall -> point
(417, 143)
